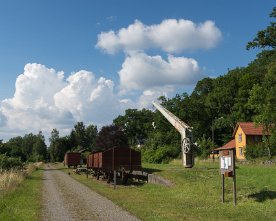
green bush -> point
(255, 151)
(160, 155)
(272, 143)
(7, 163)
(204, 147)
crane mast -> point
(186, 135)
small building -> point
(231, 145)
(245, 133)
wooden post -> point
(234, 183)
(234, 190)
(114, 178)
(227, 168)
(222, 196)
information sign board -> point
(227, 162)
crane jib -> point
(186, 135)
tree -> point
(55, 148)
(205, 146)
(136, 124)
(265, 38)
(262, 100)
(80, 134)
(39, 148)
(16, 150)
(91, 134)
(109, 137)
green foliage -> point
(256, 151)
(58, 146)
(28, 148)
(205, 145)
(7, 162)
(162, 154)
(265, 38)
(81, 137)
(272, 143)
(109, 137)
(136, 124)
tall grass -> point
(10, 179)
(21, 195)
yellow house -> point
(246, 133)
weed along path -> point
(65, 199)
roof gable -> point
(249, 128)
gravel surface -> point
(66, 199)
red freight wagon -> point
(97, 160)
(121, 159)
(118, 158)
(72, 159)
(90, 161)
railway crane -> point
(186, 135)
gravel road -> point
(65, 199)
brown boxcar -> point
(72, 159)
(97, 160)
(116, 159)
(90, 160)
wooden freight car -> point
(120, 160)
(90, 161)
(72, 159)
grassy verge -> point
(22, 202)
(196, 193)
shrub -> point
(7, 163)
(160, 155)
(255, 151)
(272, 143)
(204, 147)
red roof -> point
(230, 145)
(249, 128)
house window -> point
(241, 151)
(240, 138)
(257, 139)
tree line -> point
(212, 109)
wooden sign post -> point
(227, 169)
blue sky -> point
(62, 35)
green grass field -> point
(196, 193)
(23, 203)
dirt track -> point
(66, 199)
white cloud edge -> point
(171, 36)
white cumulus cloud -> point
(141, 72)
(44, 100)
(171, 35)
